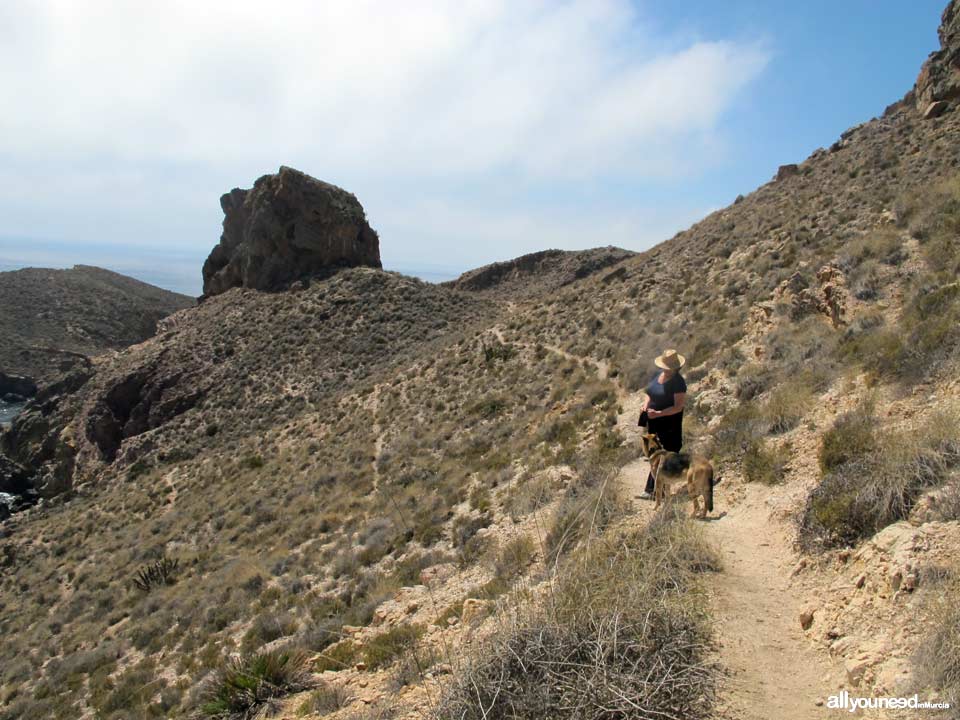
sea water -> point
(8, 411)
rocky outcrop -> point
(939, 81)
(288, 227)
(829, 299)
(16, 388)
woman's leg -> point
(669, 432)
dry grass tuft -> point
(622, 635)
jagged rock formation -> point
(539, 272)
(54, 320)
(287, 227)
(939, 82)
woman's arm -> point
(679, 400)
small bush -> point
(383, 649)
(339, 656)
(737, 429)
(514, 557)
(245, 685)
(865, 494)
(763, 465)
(786, 406)
(162, 572)
(326, 699)
(464, 527)
(852, 436)
(588, 507)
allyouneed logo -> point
(844, 701)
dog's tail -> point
(709, 499)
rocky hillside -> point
(53, 320)
(367, 497)
(540, 272)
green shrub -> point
(338, 656)
(242, 686)
(381, 650)
(763, 465)
(852, 436)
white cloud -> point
(108, 103)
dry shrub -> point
(786, 405)
(852, 436)
(622, 635)
(936, 661)
(870, 491)
(326, 699)
(762, 464)
(589, 505)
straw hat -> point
(670, 360)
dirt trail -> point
(772, 670)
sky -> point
(470, 130)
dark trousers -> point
(669, 431)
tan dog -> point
(668, 466)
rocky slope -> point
(385, 473)
(54, 320)
(540, 272)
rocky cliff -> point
(289, 226)
(939, 82)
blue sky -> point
(471, 131)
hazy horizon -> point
(178, 272)
(470, 132)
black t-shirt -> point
(661, 396)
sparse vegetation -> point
(763, 464)
(622, 634)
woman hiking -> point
(662, 411)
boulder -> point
(286, 228)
